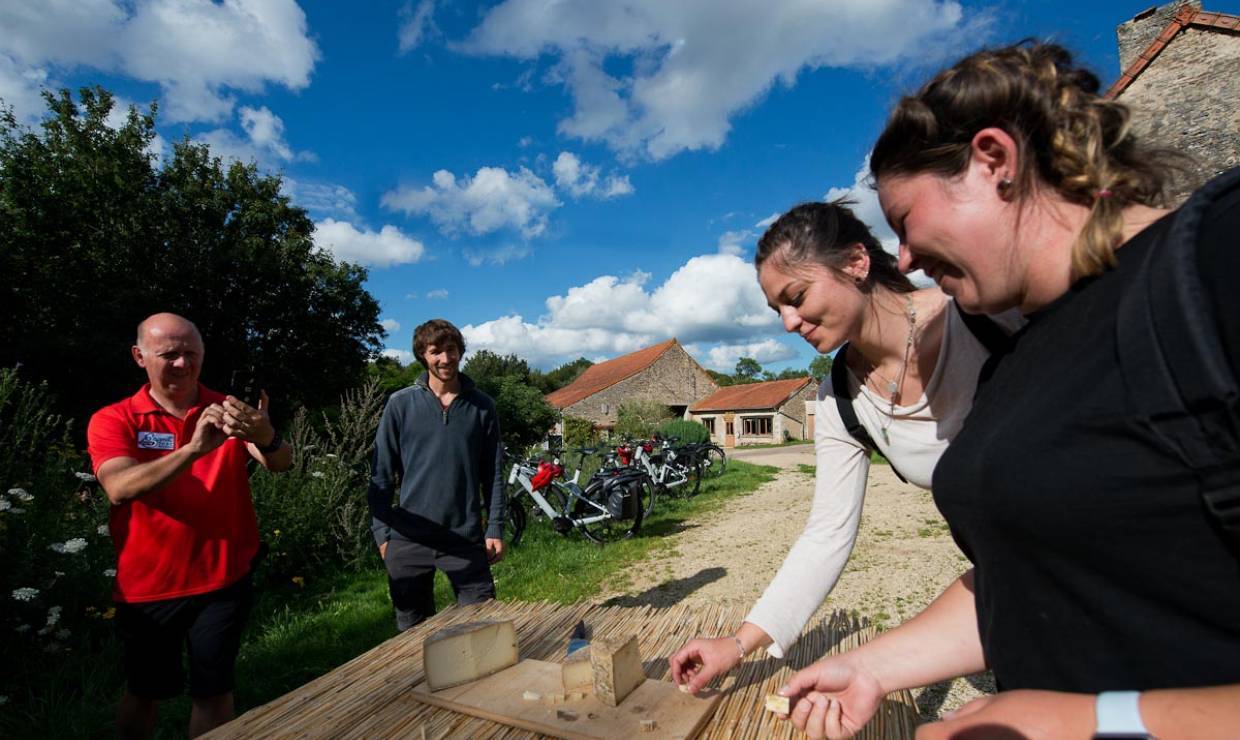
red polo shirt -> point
(196, 534)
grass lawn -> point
(296, 634)
(789, 443)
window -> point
(709, 422)
(758, 426)
(730, 431)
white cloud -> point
(263, 143)
(711, 298)
(321, 198)
(734, 242)
(196, 50)
(498, 256)
(581, 179)
(766, 222)
(492, 199)
(403, 356)
(20, 88)
(416, 24)
(723, 357)
(390, 325)
(383, 248)
(439, 294)
(694, 65)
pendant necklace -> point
(893, 386)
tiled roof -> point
(752, 396)
(606, 374)
(1187, 16)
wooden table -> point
(369, 697)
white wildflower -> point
(86, 477)
(318, 474)
(109, 573)
(58, 573)
(21, 494)
(331, 456)
(103, 530)
(63, 634)
(45, 631)
(4, 700)
(22, 629)
(5, 505)
(53, 615)
(69, 547)
(17, 510)
(25, 594)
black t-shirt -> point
(1097, 567)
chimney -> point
(1136, 35)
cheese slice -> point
(616, 665)
(778, 704)
(575, 673)
(466, 652)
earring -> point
(1004, 186)
(860, 279)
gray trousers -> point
(411, 578)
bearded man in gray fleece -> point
(438, 441)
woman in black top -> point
(1098, 571)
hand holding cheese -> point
(466, 652)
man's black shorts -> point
(156, 633)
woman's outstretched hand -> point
(833, 698)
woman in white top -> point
(913, 366)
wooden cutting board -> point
(499, 698)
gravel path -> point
(903, 559)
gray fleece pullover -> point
(445, 461)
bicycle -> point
(667, 467)
(710, 456)
(610, 507)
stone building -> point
(1181, 77)
(664, 373)
(758, 413)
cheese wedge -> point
(616, 665)
(466, 652)
(575, 673)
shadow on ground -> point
(669, 593)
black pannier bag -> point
(623, 496)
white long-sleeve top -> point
(918, 433)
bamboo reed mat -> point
(369, 696)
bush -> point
(53, 534)
(688, 432)
(315, 514)
(579, 432)
(639, 418)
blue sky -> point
(579, 178)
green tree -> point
(94, 236)
(525, 417)
(747, 369)
(391, 375)
(820, 367)
(554, 380)
(721, 379)
(787, 373)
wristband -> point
(740, 647)
(1119, 716)
(276, 443)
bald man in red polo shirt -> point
(172, 460)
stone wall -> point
(1186, 98)
(675, 379)
(1136, 35)
(790, 417)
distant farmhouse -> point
(1181, 76)
(667, 374)
(757, 413)
(664, 373)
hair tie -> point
(1102, 193)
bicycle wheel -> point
(714, 462)
(611, 529)
(514, 522)
(693, 470)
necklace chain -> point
(893, 386)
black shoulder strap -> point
(1173, 362)
(984, 328)
(843, 404)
